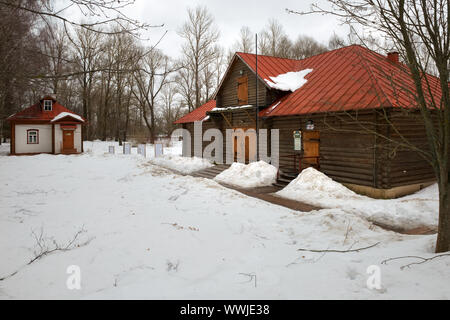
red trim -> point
(68, 126)
(37, 136)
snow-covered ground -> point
(182, 164)
(409, 212)
(149, 233)
(255, 174)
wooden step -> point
(211, 173)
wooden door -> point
(246, 145)
(311, 147)
(242, 90)
(68, 138)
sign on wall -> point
(159, 150)
(126, 148)
(297, 140)
(310, 125)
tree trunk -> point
(443, 239)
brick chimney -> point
(393, 56)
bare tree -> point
(246, 41)
(149, 82)
(101, 13)
(171, 108)
(410, 26)
(305, 47)
(336, 42)
(200, 36)
(273, 40)
(18, 58)
(87, 48)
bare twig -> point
(340, 251)
(43, 248)
(421, 260)
(252, 277)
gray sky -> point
(230, 16)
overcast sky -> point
(230, 16)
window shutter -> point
(242, 90)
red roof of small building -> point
(37, 113)
(350, 78)
(198, 114)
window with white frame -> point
(48, 105)
(33, 136)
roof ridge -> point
(314, 55)
(373, 78)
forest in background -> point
(106, 72)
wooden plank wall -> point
(227, 95)
(344, 156)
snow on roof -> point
(198, 114)
(289, 81)
(232, 108)
(67, 114)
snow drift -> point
(255, 174)
(413, 211)
(182, 164)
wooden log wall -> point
(405, 165)
(344, 156)
(227, 95)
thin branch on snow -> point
(252, 277)
(340, 251)
(421, 260)
(44, 248)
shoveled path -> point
(268, 194)
(263, 193)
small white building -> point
(46, 127)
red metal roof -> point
(350, 78)
(36, 112)
(198, 114)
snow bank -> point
(413, 211)
(289, 81)
(182, 164)
(255, 174)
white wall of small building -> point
(45, 138)
(78, 138)
(59, 138)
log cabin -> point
(46, 127)
(348, 108)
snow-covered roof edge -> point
(67, 114)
